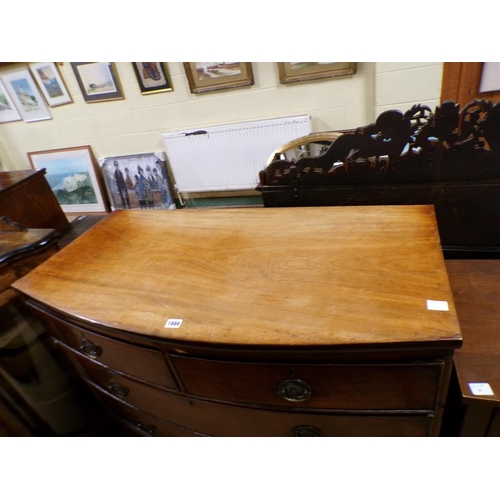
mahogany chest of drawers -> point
(326, 321)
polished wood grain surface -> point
(12, 178)
(287, 276)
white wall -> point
(135, 124)
(401, 85)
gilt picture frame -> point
(8, 110)
(98, 81)
(25, 95)
(290, 72)
(211, 76)
(73, 176)
(137, 181)
(50, 82)
(152, 77)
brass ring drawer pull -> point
(146, 428)
(306, 431)
(294, 390)
(91, 350)
(118, 389)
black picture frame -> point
(152, 77)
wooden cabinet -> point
(39, 392)
(26, 197)
(257, 322)
(476, 285)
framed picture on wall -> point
(8, 110)
(209, 76)
(26, 96)
(152, 77)
(98, 81)
(290, 72)
(50, 82)
(137, 181)
(73, 176)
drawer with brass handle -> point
(143, 424)
(216, 419)
(141, 362)
(375, 386)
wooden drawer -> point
(341, 386)
(142, 423)
(141, 362)
(229, 420)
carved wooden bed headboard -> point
(449, 158)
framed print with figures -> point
(137, 181)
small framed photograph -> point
(73, 176)
(290, 72)
(51, 83)
(137, 181)
(210, 76)
(8, 110)
(98, 81)
(152, 77)
(26, 96)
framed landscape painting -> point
(50, 82)
(73, 177)
(98, 81)
(152, 77)
(137, 181)
(304, 71)
(8, 110)
(26, 96)
(209, 76)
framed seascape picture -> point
(73, 176)
(137, 181)
(8, 111)
(51, 83)
(290, 72)
(26, 96)
(209, 76)
(98, 81)
(152, 77)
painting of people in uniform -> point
(137, 182)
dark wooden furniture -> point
(26, 197)
(449, 158)
(257, 322)
(39, 393)
(476, 289)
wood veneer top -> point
(273, 276)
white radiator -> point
(228, 157)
